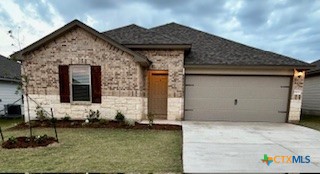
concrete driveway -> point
(213, 147)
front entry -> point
(158, 94)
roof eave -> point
(159, 46)
(300, 67)
(10, 80)
(313, 72)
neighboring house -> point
(10, 78)
(172, 71)
(311, 91)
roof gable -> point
(76, 23)
(9, 69)
(208, 49)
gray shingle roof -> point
(315, 70)
(208, 49)
(9, 69)
(136, 35)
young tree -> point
(23, 87)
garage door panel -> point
(254, 116)
(226, 115)
(263, 82)
(258, 93)
(205, 115)
(236, 98)
(217, 82)
(210, 92)
(200, 103)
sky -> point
(287, 27)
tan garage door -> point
(236, 98)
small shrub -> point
(150, 118)
(66, 118)
(130, 122)
(28, 139)
(41, 113)
(98, 114)
(12, 140)
(93, 116)
(53, 120)
(119, 117)
(40, 139)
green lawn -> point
(310, 121)
(97, 150)
(5, 123)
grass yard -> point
(310, 121)
(6, 123)
(97, 150)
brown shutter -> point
(64, 83)
(96, 84)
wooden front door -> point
(158, 94)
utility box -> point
(12, 110)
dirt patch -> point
(26, 142)
(97, 124)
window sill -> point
(81, 103)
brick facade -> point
(171, 60)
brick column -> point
(296, 96)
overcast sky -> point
(288, 27)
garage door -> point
(236, 98)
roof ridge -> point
(164, 35)
(316, 62)
(126, 26)
(170, 23)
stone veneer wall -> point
(296, 97)
(122, 78)
(171, 60)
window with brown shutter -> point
(64, 84)
(80, 83)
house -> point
(10, 77)
(311, 91)
(172, 71)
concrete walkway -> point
(172, 122)
(237, 147)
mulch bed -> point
(25, 142)
(80, 124)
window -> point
(80, 83)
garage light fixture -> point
(299, 73)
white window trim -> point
(70, 84)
